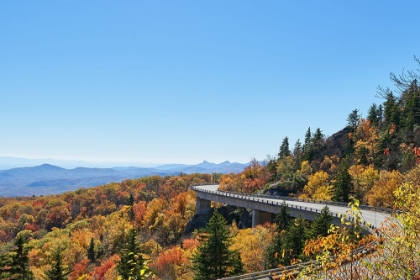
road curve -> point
(373, 215)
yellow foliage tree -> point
(382, 192)
(318, 185)
(363, 180)
(252, 244)
(305, 168)
(366, 138)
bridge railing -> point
(288, 198)
(296, 268)
(269, 200)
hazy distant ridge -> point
(50, 179)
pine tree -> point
(15, 265)
(317, 144)
(274, 251)
(343, 185)
(284, 148)
(322, 223)
(297, 154)
(283, 218)
(391, 110)
(5, 266)
(272, 169)
(353, 119)
(294, 241)
(213, 258)
(373, 115)
(131, 210)
(380, 114)
(20, 260)
(91, 251)
(308, 137)
(57, 271)
(131, 263)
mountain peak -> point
(48, 166)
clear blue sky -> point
(184, 81)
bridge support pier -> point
(261, 217)
(202, 205)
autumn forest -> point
(147, 228)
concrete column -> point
(261, 217)
(202, 205)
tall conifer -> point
(213, 258)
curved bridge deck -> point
(308, 209)
(271, 204)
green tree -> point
(391, 110)
(322, 223)
(15, 265)
(284, 148)
(131, 264)
(283, 218)
(4, 266)
(317, 143)
(307, 143)
(272, 168)
(297, 154)
(353, 119)
(294, 241)
(274, 251)
(375, 115)
(57, 271)
(91, 251)
(131, 210)
(343, 185)
(213, 258)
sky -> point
(187, 81)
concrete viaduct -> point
(265, 207)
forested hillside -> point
(137, 228)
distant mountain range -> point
(14, 162)
(50, 179)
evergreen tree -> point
(283, 218)
(272, 169)
(353, 119)
(20, 260)
(362, 155)
(318, 141)
(380, 115)
(308, 137)
(213, 259)
(131, 210)
(373, 115)
(131, 262)
(91, 251)
(391, 110)
(274, 251)
(411, 109)
(297, 154)
(57, 271)
(15, 265)
(5, 266)
(322, 223)
(343, 184)
(284, 148)
(294, 241)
